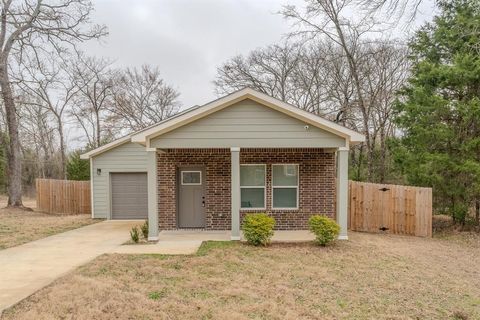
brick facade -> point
(316, 184)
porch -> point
(225, 235)
(212, 189)
(179, 242)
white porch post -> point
(152, 194)
(235, 190)
(342, 192)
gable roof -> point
(143, 136)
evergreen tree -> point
(77, 169)
(439, 110)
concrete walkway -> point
(27, 268)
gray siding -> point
(247, 124)
(128, 157)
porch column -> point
(235, 196)
(152, 194)
(342, 192)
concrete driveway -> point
(29, 267)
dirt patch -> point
(368, 277)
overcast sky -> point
(187, 39)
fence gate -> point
(387, 208)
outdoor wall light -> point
(99, 172)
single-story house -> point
(208, 166)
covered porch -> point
(242, 153)
(211, 189)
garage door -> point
(129, 195)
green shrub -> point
(145, 229)
(134, 234)
(325, 229)
(258, 228)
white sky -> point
(189, 39)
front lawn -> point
(368, 277)
(19, 226)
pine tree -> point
(77, 169)
(439, 110)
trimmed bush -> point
(134, 234)
(258, 228)
(325, 229)
(145, 229)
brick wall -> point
(316, 184)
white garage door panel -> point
(129, 195)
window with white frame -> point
(285, 186)
(191, 178)
(252, 186)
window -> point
(191, 178)
(252, 186)
(285, 186)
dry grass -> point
(369, 277)
(445, 228)
(20, 226)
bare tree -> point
(49, 88)
(140, 98)
(385, 73)
(93, 78)
(37, 137)
(396, 9)
(321, 82)
(324, 18)
(35, 26)
(267, 70)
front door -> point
(191, 197)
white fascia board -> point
(308, 117)
(188, 117)
(105, 147)
(350, 136)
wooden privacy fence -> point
(63, 196)
(390, 208)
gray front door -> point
(191, 197)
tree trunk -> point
(14, 155)
(477, 212)
(383, 156)
(360, 160)
(98, 129)
(62, 149)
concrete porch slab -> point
(188, 241)
(292, 236)
(207, 235)
(187, 235)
